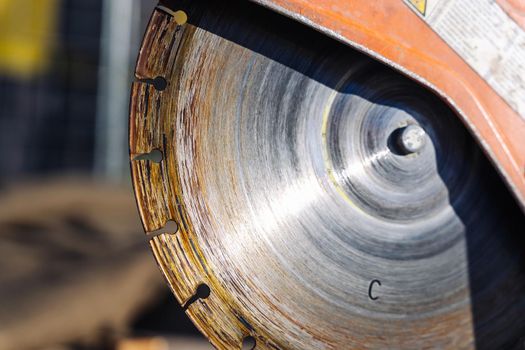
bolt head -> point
(412, 138)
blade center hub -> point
(411, 139)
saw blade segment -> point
(321, 199)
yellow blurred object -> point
(26, 31)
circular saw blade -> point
(320, 200)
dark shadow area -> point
(495, 230)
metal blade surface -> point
(316, 221)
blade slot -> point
(203, 292)
(155, 156)
(170, 227)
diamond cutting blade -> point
(320, 199)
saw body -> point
(322, 200)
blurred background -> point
(75, 267)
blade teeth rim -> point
(184, 269)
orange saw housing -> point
(396, 33)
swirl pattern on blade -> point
(300, 199)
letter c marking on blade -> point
(370, 289)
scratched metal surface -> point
(293, 203)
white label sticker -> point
(482, 33)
